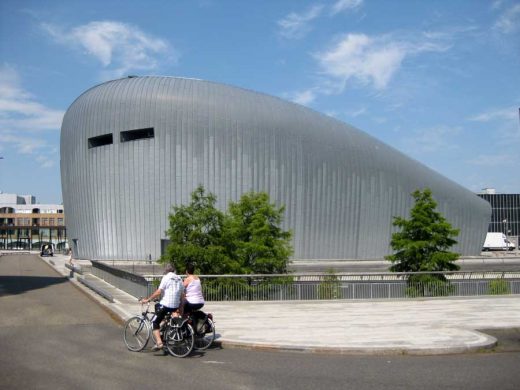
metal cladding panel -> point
(340, 187)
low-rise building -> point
(26, 224)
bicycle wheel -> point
(136, 333)
(179, 340)
(203, 341)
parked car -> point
(47, 250)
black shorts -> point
(191, 307)
(161, 312)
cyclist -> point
(171, 289)
(193, 298)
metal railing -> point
(326, 286)
(133, 284)
(356, 286)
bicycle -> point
(204, 327)
(177, 334)
(138, 329)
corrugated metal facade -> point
(340, 186)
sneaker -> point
(157, 347)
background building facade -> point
(25, 224)
(132, 148)
(505, 213)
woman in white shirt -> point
(193, 298)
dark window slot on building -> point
(100, 140)
(132, 135)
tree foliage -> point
(196, 236)
(247, 239)
(257, 242)
(423, 242)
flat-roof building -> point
(131, 148)
(26, 224)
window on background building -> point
(133, 135)
(60, 221)
(100, 140)
(21, 221)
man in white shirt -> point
(171, 289)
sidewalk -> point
(421, 326)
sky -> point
(437, 80)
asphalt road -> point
(53, 336)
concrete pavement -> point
(419, 326)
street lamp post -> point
(505, 232)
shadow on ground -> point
(508, 339)
(12, 285)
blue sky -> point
(437, 80)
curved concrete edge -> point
(119, 313)
(488, 343)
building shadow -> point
(14, 285)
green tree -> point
(196, 235)
(423, 242)
(254, 236)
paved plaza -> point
(418, 326)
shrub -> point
(329, 287)
(499, 287)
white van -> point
(497, 241)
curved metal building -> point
(132, 148)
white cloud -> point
(370, 60)
(357, 112)
(509, 21)
(22, 143)
(495, 160)
(23, 120)
(296, 26)
(503, 126)
(343, 5)
(45, 161)
(432, 140)
(508, 114)
(303, 97)
(119, 47)
(18, 109)
(497, 4)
